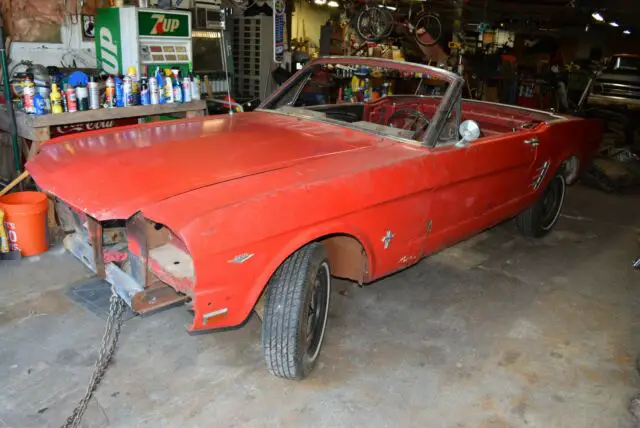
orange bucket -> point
(25, 219)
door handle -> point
(532, 141)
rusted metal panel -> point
(95, 239)
(138, 249)
(155, 297)
(113, 235)
(347, 258)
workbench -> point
(39, 129)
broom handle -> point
(14, 183)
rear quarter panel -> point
(560, 140)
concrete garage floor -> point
(495, 332)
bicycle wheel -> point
(427, 29)
(372, 24)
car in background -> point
(618, 84)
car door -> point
(478, 184)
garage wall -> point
(72, 48)
(307, 19)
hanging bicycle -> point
(375, 22)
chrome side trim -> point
(541, 172)
(206, 317)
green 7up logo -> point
(164, 24)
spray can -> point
(110, 92)
(186, 90)
(39, 106)
(195, 87)
(56, 99)
(177, 92)
(72, 100)
(135, 88)
(94, 94)
(154, 96)
(127, 88)
(82, 98)
(28, 92)
(168, 90)
(145, 96)
(119, 93)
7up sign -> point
(160, 23)
(108, 45)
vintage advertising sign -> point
(57, 131)
(108, 44)
(157, 23)
(279, 30)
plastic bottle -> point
(56, 99)
(195, 87)
(110, 92)
(168, 90)
(28, 92)
(94, 94)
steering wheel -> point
(409, 119)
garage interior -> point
(495, 331)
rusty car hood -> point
(111, 174)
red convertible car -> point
(355, 168)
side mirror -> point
(469, 131)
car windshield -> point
(398, 100)
(624, 64)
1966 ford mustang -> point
(258, 211)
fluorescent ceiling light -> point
(320, 2)
(614, 24)
(393, 8)
(333, 3)
(627, 32)
(597, 16)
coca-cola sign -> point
(74, 128)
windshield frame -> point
(430, 137)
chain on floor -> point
(107, 349)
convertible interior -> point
(408, 112)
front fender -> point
(228, 284)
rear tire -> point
(295, 313)
(539, 219)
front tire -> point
(295, 313)
(538, 220)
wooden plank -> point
(114, 113)
(28, 125)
